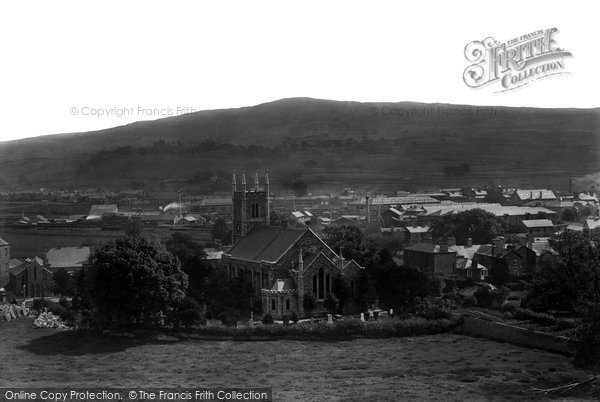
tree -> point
(574, 281)
(349, 241)
(221, 231)
(192, 257)
(477, 224)
(499, 273)
(64, 284)
(331, 303)
(494, 195)
(134, 281)
(309, 303)
(341, 289)
(188, 312)
(568, 215)
(135, 227)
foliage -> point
(133, 281)
(568, 215)
(469, 301)
(508, 307)
(477, 224)
(268, 319)
(588, 346)
(309, 303)
(331, 303)
(221, 231)
(192, 258)
(489, 298)
(574, 281)
(499, 273)
(295, 318)
(188, 313)
(349, 241)
(426, 310)
(341, 289)
(398, 286)
(134, 228)
(64, 284)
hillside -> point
(323, 143)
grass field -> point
(437, 367)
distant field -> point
(440, 367)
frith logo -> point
(514, 63)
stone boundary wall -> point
(515, 335)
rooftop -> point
(266, 243)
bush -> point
(268, 319)
(295, 318)
(188, 313)
(425, 310)
(538, 318)
(40, 304)
(587, 351)
(508, 307)
(469, 301)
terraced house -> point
(283, 264)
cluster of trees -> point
(138, 280)
(392, 285)
(476, 224)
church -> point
(284, 264)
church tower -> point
(250, 207)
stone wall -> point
(515, 335)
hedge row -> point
(345, 329)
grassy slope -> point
(508, 145)
(438, 367)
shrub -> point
(538, 318)
(508, 307)
(309, 302)
(188, 313)
(295, 317)
(469, 301)
(425, 310)
(286, 320)
(40, 304)
(587, 351)
(268, 319)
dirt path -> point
(438, 367)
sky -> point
(71, 66)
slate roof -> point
(417, 229)
(538, 223)
(464, 251)
(427, 248)
(101, 209)
(266, 243)
(540, 194)
(3, 242)
(68, 257)
(592, 224)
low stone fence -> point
(515, 335)
(10, 312)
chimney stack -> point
(443, 246)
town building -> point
(431, 258)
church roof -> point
(266, 243)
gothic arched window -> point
(272, 304)
(287, 304)
(321, 284)
(315, 285)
